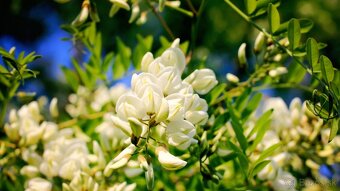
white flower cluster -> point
(163, 107)
(63, 153)
(298, 129)
(84, 101)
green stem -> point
(285, 85)
(191, 6)
(194, 27)
(161, 20)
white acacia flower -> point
(170, 80)
(138, 81)
(31, 111)
(123, 187)
(81, 181)
(120, 160)
(116, 91)
(269, 172)
(174, 57)
(284, 181)
(180, 134)
(202, 80)
(169, 161)
(101, 96)
(146, 61)
(176, 107)
(129, 105)
(38, 184)
(29, 171)
(12, 131)
(196, 109)
(30, 132)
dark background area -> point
(35, 26)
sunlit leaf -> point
(294, 34)
(258, 167)
(273, 18)
(326, 68)
(313, 54)
(250, 6)
(334, 128)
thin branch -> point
(160, 18)
(191, 6)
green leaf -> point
(273, 18)
(313, 54)
(238, 129)
(240, 155)
(250, 6)
(261, 122)
(334, 128)
(251, 106)
(294, 34)
(318, 110)
(296, 73)
(108, 60)
(258, 167)
(261, 131)
(144, 45)
(71, 78)
(241, 100)
(216, 92)
(82, 74)
(268, 152)
(306, 25)
(122, 61)
(220, 121)
(327, 69)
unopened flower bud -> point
(134, 13)
(169, 161)
(143, 162)
(277, 72)
(174, 4)
(242, 54)
(150, 177)
(146, 61)
(259, 42)
(54, 108)
(121, 4)
(232, 78)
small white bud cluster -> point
(298, 128)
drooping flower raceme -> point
(162, 108)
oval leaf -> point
(273, 18)
(327, 69)
(294, 34)
(250, 6)
(313, 54)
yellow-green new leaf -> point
(250, 6)
(334, 128)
